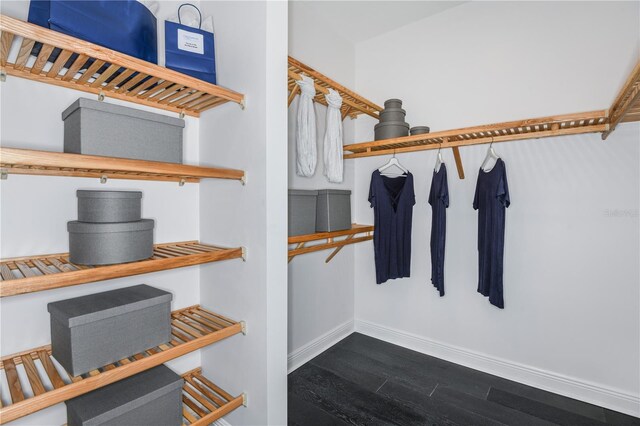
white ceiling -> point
(361, 20)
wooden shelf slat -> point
(25, 33)
(22, 404)
(62, 273)
(210, 401)
(31, 162)
(568, 124)
(328, 240)
(352, 103)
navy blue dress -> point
(392, 200)
(491, 201)
(439, 201)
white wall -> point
(320, 294)
(571, 260)
(250, 43)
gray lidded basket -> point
(98, 206)
(419, 130)
(302, 211)
(153, 397)
(110, 243)
(333, 210)
(393, 103)
(100, 128)
(392, 114)
(391, 129)
(92, 331)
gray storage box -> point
(99, 128)
(150, 398)
(334, 210)
(302, 212)
(109, 206)
(110, 243)
(92, 331)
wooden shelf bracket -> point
(327, 241)
(626, 106)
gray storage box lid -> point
(86, 193)
(120, 110)
(107, 403)
(78, 227)
(334, 191)
(95, 307)
(303, 192)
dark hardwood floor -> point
(365, 381)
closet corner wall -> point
(320, 302)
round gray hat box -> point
(391, 129)
(110, 243)
(109, 206)
(393, 103)
(419, 130)
(392, 114)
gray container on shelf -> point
(150, 398)
(393, 103)
(99, 128)
(392, 114)
(110, 243)
(419, 130)
(108, 206)
(302, 211)
(92, 331)
(391, 129)
(333, 210)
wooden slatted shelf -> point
(626, 107)
(328, 240)
(31, 162)
(204, 402)
(569, 124)
(46, 272)
(107, 72)
(352, 103)
(36, 381)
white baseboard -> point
(550, 381)
(319, 345)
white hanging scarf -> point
(306, 151)
(333, 138)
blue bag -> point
(123, 25)
(190, 50)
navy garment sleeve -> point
(439, 201)
(491, 200)
(392, 200)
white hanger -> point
(393, 161)
(490, 154)
(439, 160)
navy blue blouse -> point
(491, 200)
(439, 201)
(392, 200)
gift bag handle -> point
(196, 8)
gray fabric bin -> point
(110, 243)
(333, 210)
(109, 206)
(92, 331)
(99, 128)
(302, 211)
(150, 398)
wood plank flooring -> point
(365, 381)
